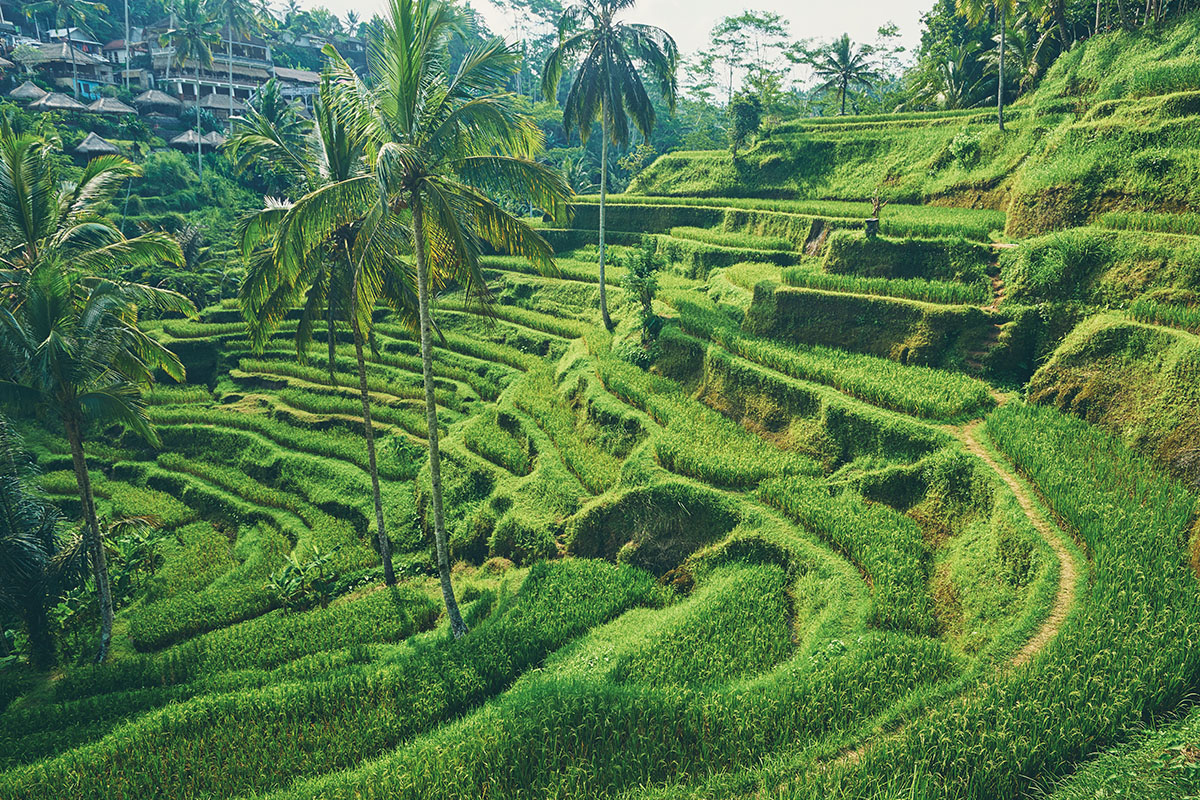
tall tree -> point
(952, 83)
(445, 142)
(975, 11)
(305, 253)
(752, 41)
(193, 38)
(28, 543)
(239, 19)
(608, 84)
(843, 66)
(69, 14)
(72, 346)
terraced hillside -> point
(1109, 133)
(753, 559)
(909, 515)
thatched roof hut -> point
(110, 105)
(27, 91)
(213, 139)
(93, 146)
(153, 99)
(186, 140)
(57, 101)
(223, 104)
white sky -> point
(689, 21)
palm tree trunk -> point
(229, 55)
(603, 198)
(127, 45)
(74, 66)
(1096, 29)
(843, 98)
(457, 626)
(1060, 20)
(385, 546)
(91, 532)
(1000, 74)
(37, 626)
(199, 160)
(1124, 17)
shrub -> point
(653, 527)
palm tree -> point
(68, 14)
(608, 85)
(1047, 10)
(192, 39)
(1022, 52)
(974, 11)
(953, 83)
(319, 274)
(443, 143)
(843, 66)
(28, 543)
(239, 19)
(72, 347)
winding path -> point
(1068, 572)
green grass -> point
(240, 742)
(728, 239)
(1114, 664)
(924, 392)
(887, 546)
(950, 292)
(1186, 224)
(1145, 309)
(1160, 764)
(899, 219)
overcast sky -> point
(689, 21)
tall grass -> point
(1116, 663)
(1146, 309)
(950, 292)
(886, 545)
(921, 391)
(898, 219)
(730, 239)
(253, 741)
(1186, 224)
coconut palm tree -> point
(192, 39)
(71, 346)
(304, 253)
(608, 84)
(76, 353)
(239, 19)
(28, 543)
(953, 83)
(1022, 53)
(443, 143)
(975, 11)
(69, 14)
(843, 66)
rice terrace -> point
(393, 405)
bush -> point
(165, 172)
(653, 527)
